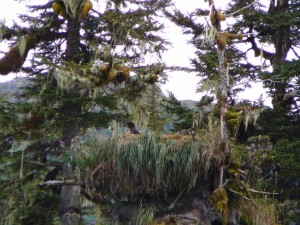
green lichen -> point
(220, 201)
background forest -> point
(66, 155)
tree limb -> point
(62, 183)
(257, 50)
(296, 54)
(231, 14)
(262, 192)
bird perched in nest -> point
(131, 128)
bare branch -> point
(235, 192)
(257, 50)
(231, 14)
(296, 54)
(262, 192)
(173, 203)
(62, 183)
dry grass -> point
(262, 212)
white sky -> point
(182, 84)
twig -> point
(38, 163)
(95, 11)
(239, 194)
(231, 14)
(241, 171)
(227, 180)
(62, 183)
(221, 176)
(171, 206)
(296, 54)
(262, 192)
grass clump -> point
(129, 167)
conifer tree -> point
(80, 60)
(274, 25)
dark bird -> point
(131, 128)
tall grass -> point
(146, 165)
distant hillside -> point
(191, 104)
(12, 90)
(15, 87)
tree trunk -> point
(223, 101)
(70, 207)
(222, 94)
(282, 42)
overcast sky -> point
(182, 84)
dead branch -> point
(171, 206)
(257, 50)
(246, 7)
(62, 183)
(235, 192)
(296, 54)
(262, 192)
(37, 163)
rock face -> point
(192, 208)
(186, 208)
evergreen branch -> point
(180, 68)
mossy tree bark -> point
(70, 207)
(223, 100)
(223, 88)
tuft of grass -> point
(146, 217)
(264, 211)
(130, 167)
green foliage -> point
(286, 158)
(183, 117)
(146, 216)
(8, 118)
(260, 141)
(21, 198)
(63, 93)
(279, 125)
(133, 167)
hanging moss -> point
(236, 185)
(216, 17)
(220, 201)
(224, 37)
(233, 121)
